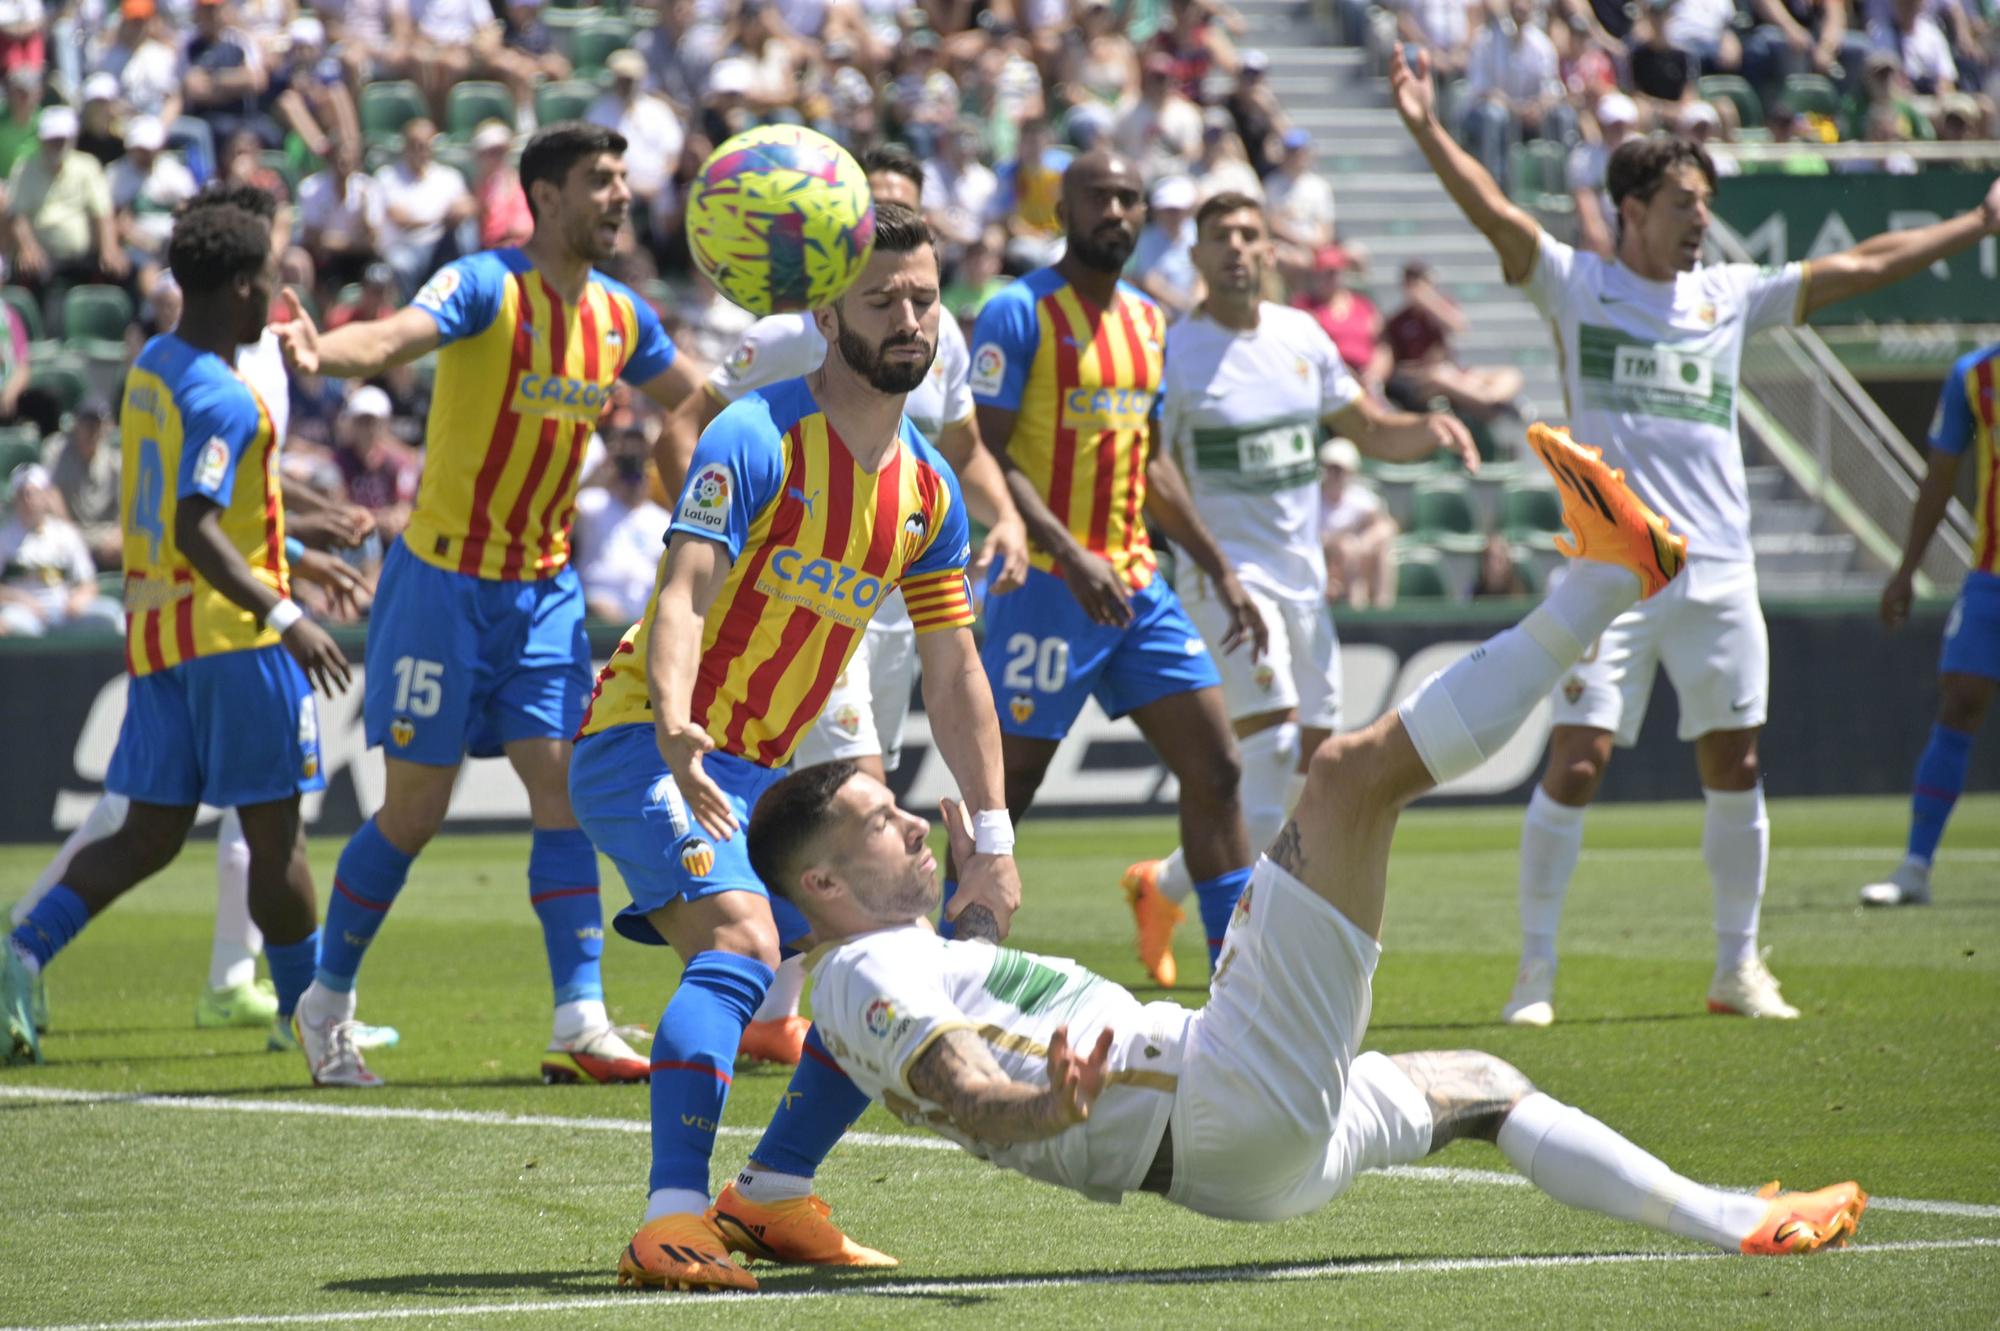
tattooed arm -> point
(959, 1074)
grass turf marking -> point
(893, 1141)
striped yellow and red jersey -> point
(192, 426)
(1084, 383)
(522, 376)
(814, 543)
(1969, 418)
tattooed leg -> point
(1470, 1093)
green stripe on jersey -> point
(1672, 381)
(1277, 453)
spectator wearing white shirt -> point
(1702, 28)
(443, 42)
(1299, 199)
(959, 189)
(1596, 218)
(653, 131)
(1223, 168)
(1443, 27)
(1914, 40)
(619, 532)
(147, 184)
(341, 213)
(1160, 130)
(47, 580)
(1162, 263)
(1512, 85)
(1355, 530)
(422, 201)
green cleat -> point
(41, 1003)
(252, 1004)
(17, 1001)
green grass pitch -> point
(241, 1200)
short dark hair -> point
(900, 229)
(1639, 166)
(893, 157)
(554, 149)
(788, 816)
(252, 199)
(213, 246)
(1218, 205)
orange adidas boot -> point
(1606, 518)
(798, 1232)
(681, 1251)
(780, 1041)
(1156, 917)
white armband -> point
(283, 615)
(992, 832)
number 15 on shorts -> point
(419, 686)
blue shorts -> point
(1972, 634)
(226, 730)
(459, 664)
(1044, 656)
(626, 802)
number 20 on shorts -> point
(1034, 664)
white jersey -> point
(880, 1000)
(262, 363)
(788, 346)
(1241, 415)
(1650, 371)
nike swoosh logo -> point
(1788, 1231)
(1743, 706)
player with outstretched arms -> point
(864, 714)
(1650, 345)
(475, 642)
(807, 503)
(1259, 1106)
(1968, 419)
(1249, 386)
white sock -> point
(1270, 759)
(768, 1185)
(675, 1201)
(1461, 716)
(232, 957)
(1176, 883)
(105, 817)
(29, 961)
(320, 1006)
(1736, 844)
(1551, 839)
(781, 1000)
(1580, 1162)
(580, 1017)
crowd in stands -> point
(390, 127)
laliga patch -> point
(1264, 677)
(401, 731)
(213, 464)
(698, 858)
(434, 293)
(1021, 709)
(705, 502)
(989, 369)
(740, 363)
(880, 1017)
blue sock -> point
(816, 1111)
(562, 887)
(693, 1052)
(292, 969)
(946, 929)
(1940, 778)
(1217, 897)
(365, 883)
(56, 918)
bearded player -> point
(1249, 387)
(1258, 1107)
(476, 642)
(807, 504)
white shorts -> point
(1275, 1112)
(864, 714)
(1300, 670)
(1707, 629)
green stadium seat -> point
(1420, 575)
(388, 105)
(1442, 506)
(1736, 90)
(474, 102)
(592, 44)
(19, 445)
(1812, 94)
(95, 313)
(288, 169)
(63, 378)
(1530, 509)
(28, 308)
(563, 101)
(1537, 176)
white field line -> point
(1889, 856)
(891, 1141)
(660, 1304)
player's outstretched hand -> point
(336, 577)
(298, 336)
(1099, 590)
(1448, 432)
(1075, 1083)
(683, 748)
(319, 655)
(1896, 598)
(1245, 623)
(1006, 542)
(1410, 87)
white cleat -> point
(1531, 1003)
(1750, 991)
(1910, 885)
(334, 1054)
(599, 1055)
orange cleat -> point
(798, 1232)
(1156, 917)
(681, 1252)
(1806, 1221)
(1606, 518)
(780, 1041)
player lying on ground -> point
(1257, 1107)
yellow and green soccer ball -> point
(780, 219)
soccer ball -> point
(781, 218)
